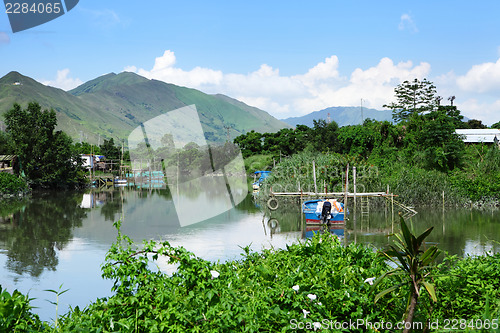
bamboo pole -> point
(314, 177)
(354, 183)
(346, 190)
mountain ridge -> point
(112, 105)
(342, 115)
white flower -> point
(370, 280)
(305, 312)
(317, 325)
(296, 288)
(319, 303)
(312, 297)
(215, 274)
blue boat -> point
(262, 175)
(336, 229)
(323, 211)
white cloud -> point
(4, 38)
(481, 78)
(320, 87)
(103, 19)
(62, 81)
(406, 23)
(488, 112)
(164, 70)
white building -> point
(486, 135)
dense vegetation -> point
(419, 157)
(47, 157)
(317, 283)
(11, 184)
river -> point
(59, 239)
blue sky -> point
(286, 57)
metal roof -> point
(7, 157)
(487, 135)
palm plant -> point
(412, 266)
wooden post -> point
(354, 183)
(314, 177)
(302, 222)
(346, 191)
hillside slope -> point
(112, 105)
(342, 115)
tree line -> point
(46, 157)
(422, 128)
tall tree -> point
(413, 98)
(48, 158)
(109, 150)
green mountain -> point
(342, 115)
(112, 105)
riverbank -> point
(317, 172)
(316, 281)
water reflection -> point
(36, 231)
(456, 231)
(62, 238)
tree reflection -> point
(113, 202)
(37, 231)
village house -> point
(487, 135)
(7, 163)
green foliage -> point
(273, 290)
(477, 279)
(57, 293)
(16, 315)
(250, 143)
(418, 186)
(11, 184)
(433, 134)
(475, 124)
(6, 145)
(109, 150)
(47, 158)
(413, 267)
(266, 291)
(87, 148)
(258, 162)
(297, 172)
(413, 98)
(482, 179)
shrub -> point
(16, 315)
(11, 184)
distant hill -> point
(112, 105)
(342, 115)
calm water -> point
(56, 239)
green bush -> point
(315, 282)
(11, 184)
(269, 291)
(258, 162)
(16, 315)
